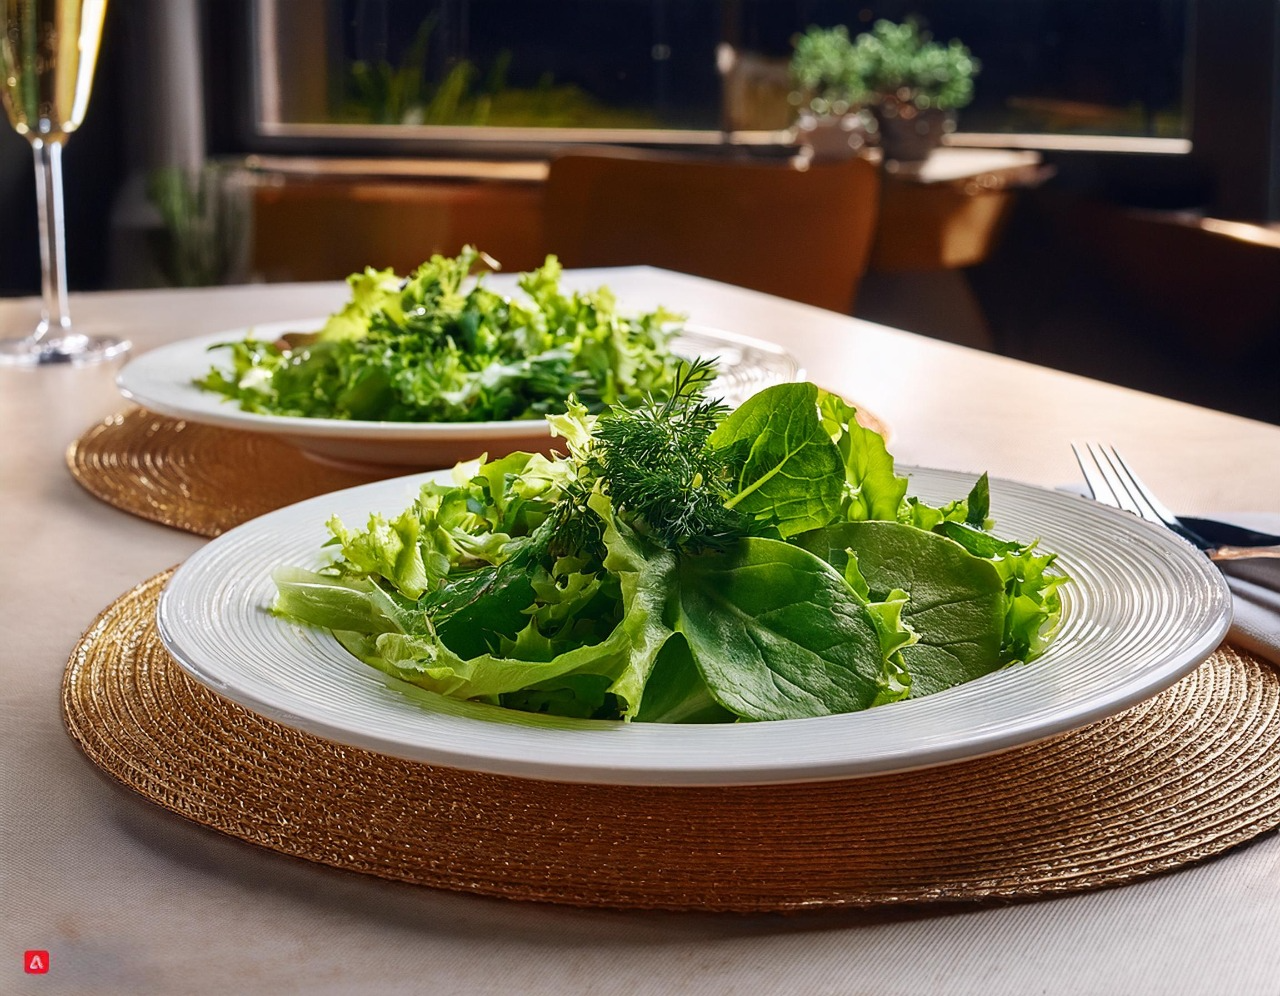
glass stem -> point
(55, 318)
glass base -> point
(73, 349)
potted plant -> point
(829, 89)
(915, 85)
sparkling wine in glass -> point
(48, 51)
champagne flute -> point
(48, 51)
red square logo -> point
(35, 962)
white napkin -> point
(1255, 590)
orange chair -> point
(324, 229)
(799, 233)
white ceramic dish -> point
(161, 380)
(1144, 609)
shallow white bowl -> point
(1143, 609)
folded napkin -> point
(1255, 591)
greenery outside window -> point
(524, 76)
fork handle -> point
(1243, 552)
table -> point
(130, 899)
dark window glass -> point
(1104, 67)
(642, 64)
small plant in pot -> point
(829, 89)
(915, 84)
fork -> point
(1111, 482)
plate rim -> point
(1147, 681)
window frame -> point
(1231, 157)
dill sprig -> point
(654, 464)
(577, 530)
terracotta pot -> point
(909, 134)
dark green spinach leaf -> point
(776, 633)
(956, 602)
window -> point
(490, 73)
(546, 72)
(1189, 82)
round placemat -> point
(1181, 777)
(203, 479)
(206, 479)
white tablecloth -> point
(130, 899)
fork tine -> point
(1114, 483)
(1142, 493)
(1116, 480)
(1093, 479)
(1126, 491)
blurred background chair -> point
(308, 228)
(773, 226)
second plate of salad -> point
(421, 371)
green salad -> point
(685, 563)
(439, 346)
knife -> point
(1226, 533)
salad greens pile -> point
(684, 563)
(439, 346)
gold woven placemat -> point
(206, 479)
(203, 479)
(1181, 777)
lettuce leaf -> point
(786, 470)
(776, 633)
(872, 489)
(647, 575)
(955, 601)
(438, 345)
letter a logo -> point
(35, 962)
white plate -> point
(1144, 608)
(162, 381)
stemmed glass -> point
(47, 56)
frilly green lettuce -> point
(439, 345)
